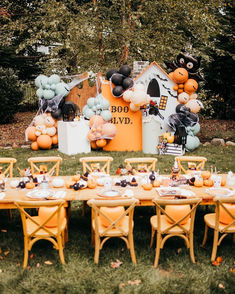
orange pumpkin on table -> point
(91, 183)
(147, 186)
(156, 183)
(223, 182)
(29, 185)
(198, 183)
(69, 183)
(208, 182)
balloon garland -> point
(186, 76)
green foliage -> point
(11, 95)
(30, 99)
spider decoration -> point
(188, 61)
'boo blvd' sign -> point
(128, 123)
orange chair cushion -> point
(224, 217)
(177, 212)
(45, 212)
(113, 213)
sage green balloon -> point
(195, 129)
(48, 94)
(54, 79)
(91, 102)
(106, 115)
(39, 92)
(89, 113)
(192, 143)
(104, 104)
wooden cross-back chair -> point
(102, 163)
(212, 220)
(6, 166)
(114, 228)
(34, 229)
(35, 163)
(148, 163)
(163, 227)
(198, 160)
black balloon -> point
(182, 108)
(117, 91)
(117, 79)
(127, 83)
(110, 73)
(56, 114)
(184, 119)
(125, 70)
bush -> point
(11, 95)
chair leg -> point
(215, 245)
(97, 249)
(191, 248)
(158, 248)
(10, 214)
(92, 237)
(61, 253)
(205, 236)
(234, 238)
(152, 238)
(132, 248)
(84, 208)
(26, 253)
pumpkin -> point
(91, 183)
(175, 88)
(34, 146)
(29, 185)
(44, 141)
(54, 139)
(190, 86)
(224, 217)
(76, 178)
(147, 186)
(198, 183)
(205, 175)
(156, 183)
(177, 212)
(183, 98)
(170, 138)
(96, 120)
(101, 143)
(208, 182)
(30, 131)
(180, 75)
(45, 212)
(69, 183)
(113, 213)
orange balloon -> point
(171, 75)
(113, 213)
(34, 146)
(90, 136)
(190, 86)
(30, 131)
(109, 130)
(180, 75)
(93, 145)
(224, 217)
(44, 212)
(44, 141)
(101, 143)
(96, 120)
(54, 139)
(176, 212)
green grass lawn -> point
(176, 273)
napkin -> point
(59, 194)
(2, 195)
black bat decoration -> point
(166, 87)
(165, 80)
(169, 92)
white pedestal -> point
(72, 137)
(151, 131)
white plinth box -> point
(72, 137)
(151, 130)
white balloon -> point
(127, 95)
(134, 107)
(138, 87)
(139, 98)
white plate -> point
(40, 194)
(220, 192)
(172, 191)
(109, 194)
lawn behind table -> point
(176, 273)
